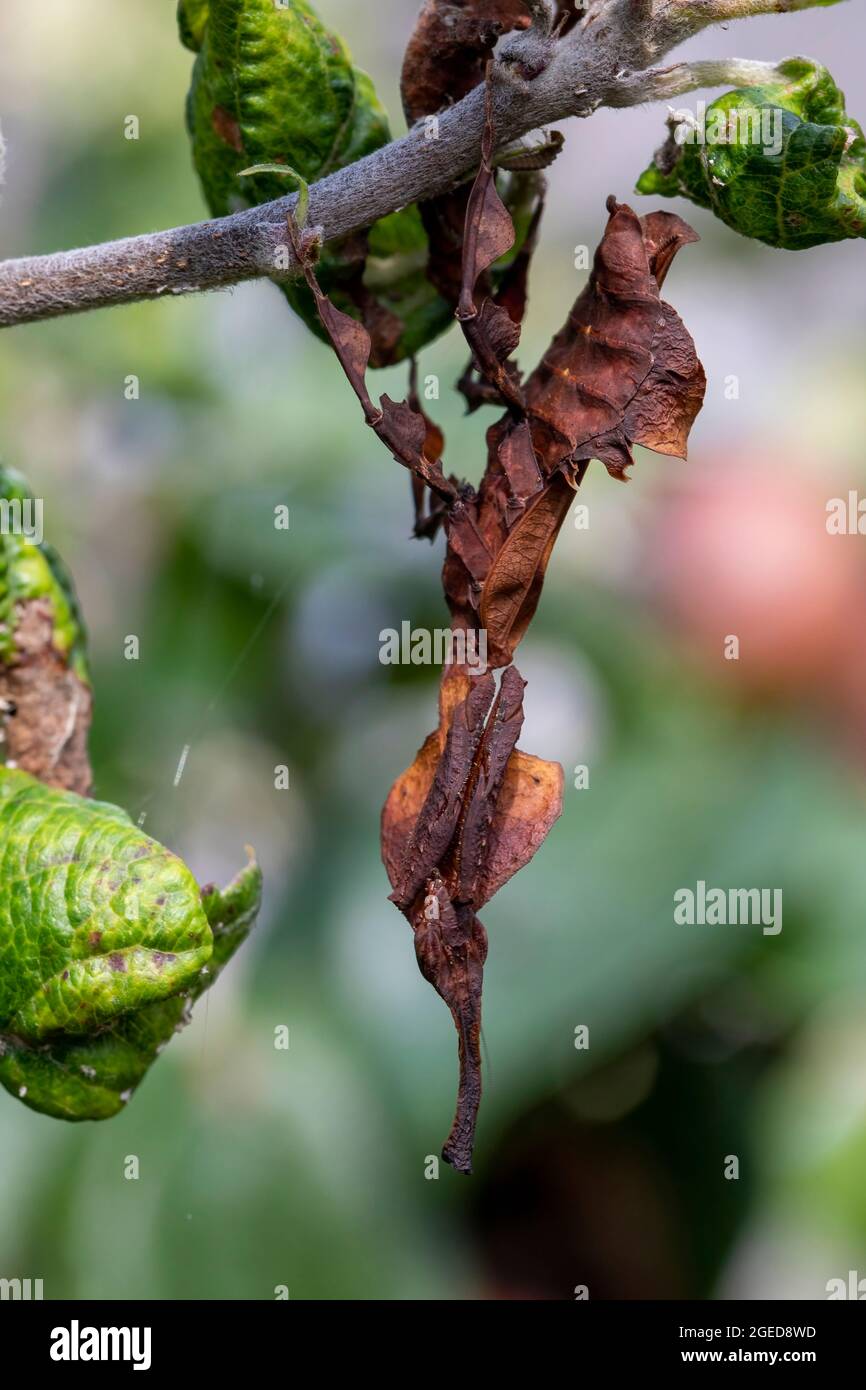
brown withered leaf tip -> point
(472, 809)
(48, 708)
(445, 58)
(385, 327)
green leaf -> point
(105, 942)
(192, 17)
(783, 164)
(274, 89)
(283, 171)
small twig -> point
(660, 83)
(700, 13)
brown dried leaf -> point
(448, 50)
(402, 429)
(454, 686)
(529, 805)
(403, 806)
(468, 546)
(489, 234)
(350, 341)
(505, 803)
(669, 400)
(438, 819)
(623, 369)
(517, 458)
(409, 792)
(451, 948)
(405, 432)
(510, 302)
(513, 586)
(48, 707)
(445, 58)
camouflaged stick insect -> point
(274, 94)
(622, 370)
(105, 938)
(472, 809)
(485, 800)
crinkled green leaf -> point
(812, 191)
(273, 85)
(105, 942)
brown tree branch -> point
(598, 63)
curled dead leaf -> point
(48, 707)
(623, 370)
(467, 814)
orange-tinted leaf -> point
(529, 805)
(403, 806)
